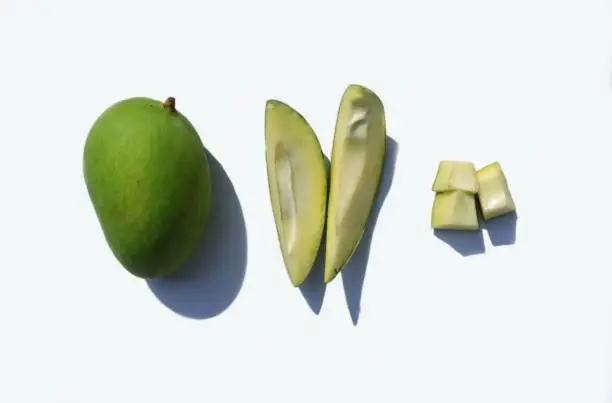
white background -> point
(523, 82)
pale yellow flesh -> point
(494, 195)
(297, 180)
(454, 210)
(456, 175)
(357, 161)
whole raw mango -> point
(148, 178)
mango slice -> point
(358, 156)
(297, 181)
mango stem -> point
(170, 104)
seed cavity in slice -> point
(357, 125)
(286, 195)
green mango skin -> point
(148, 178)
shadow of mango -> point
(211, 280)
(353, 274)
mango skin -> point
(148, 178)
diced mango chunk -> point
(454, 210)
(456, 175)
(493, 194)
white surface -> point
(523, 82)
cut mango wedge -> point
(456, 175)
(454, 210)
(297, 180)
(494, 195)
(358, 155)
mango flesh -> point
(456, 175)
(297, 181)
(494, 195)
(454, 210)
(358, 155)
(148, 178)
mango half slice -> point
(297, 181)
(358, 155)
(494, 194)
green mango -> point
(148, 178)
(358, 155)
(297, 182)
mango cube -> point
(454, 210)
(494, 194)
(456, 175)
